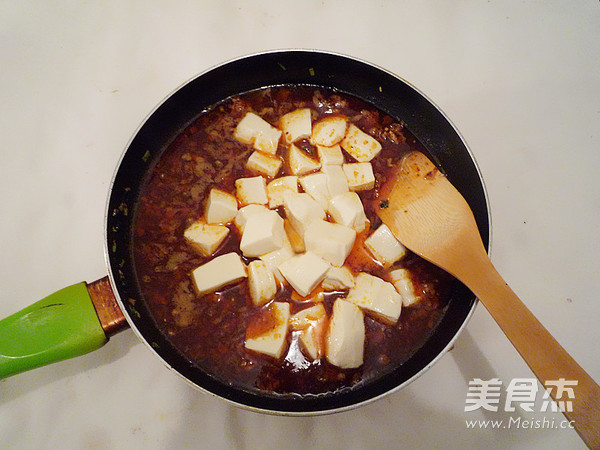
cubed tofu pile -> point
(298, 216)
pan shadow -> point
(472, 364)
(21, 384)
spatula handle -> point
(545, 356)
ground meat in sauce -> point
(210, 330)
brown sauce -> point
(210, 330)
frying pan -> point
(82, 317)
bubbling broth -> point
(287, 283)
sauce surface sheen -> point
(210, 330)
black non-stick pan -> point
(80, 318)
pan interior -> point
(379, 88)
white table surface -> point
(520, 80)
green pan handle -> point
(60, 326)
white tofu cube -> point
(315, 185)
(249, 127)
(347, 209)
(337, 182)
(311, 324)
(256, 131)
(403, 283)
(278, 187)
(361, 146)
(300, 163)
(275, 258)
(307, 317)
(377, 297)
(312, 341)
(360, 176)
(329, 130)
(261, 282)
(218, 272)
(296, 125)
(365, 287)
(243, 213)
(345, 342)
(262, 234)
(384, 246)
(304, 272)
(301, 209)
(338, 279)
(331, 156)
(267, 141)
(205, 238)
(221, 206)
(295, 239)
(331, 241)
(251, 190)
(264, 164)
(267, 333)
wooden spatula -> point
(430, 217)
